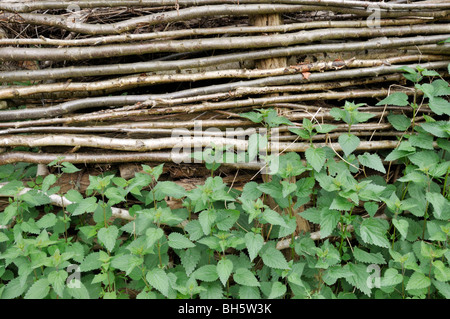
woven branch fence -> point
(126, 81)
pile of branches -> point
(127, 81)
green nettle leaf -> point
(69, 168)
(397, 99)
(206, 219)
(324, 128)
(224, 269)
(439, 105)
(418, 281)
(108, 236)
(443, 288)
(159, 280)
(38, 290)
(278, 290)
(372, 161)
(254, 243)
(273, 189)
(251, 191)
(179, 241)
(360, 278)
(288, 188)
(153, 235)
(253, 116)
(77, 290)
(91, 262)
(58, 281)
(47, 221)
(373, 231)
(249, 292)
(189, 259)
(371, 208)
(273, 258)
(87, 205)
(48, 181)
(273, 217)
(304, 134)
(316, 157)
(167, 188)
(422, 140)
(438, 128)
(206, 273)
(439, 203)
(341, 203)
(368, 258)
(245, 277)
(402, 226)
(194, 229)
(399, 121)
(348, 143)
(328, 221)
(391, 278)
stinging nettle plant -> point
(378, 237)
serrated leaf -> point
(194, 229)
(253, 116)
(439, 105)
(189, 259)
(91, 262)
(159, 280)
(87, 205)
(179, 241)
(245, 277)
(15, 287)
(373, 231)
(316, 157)
(372, 161)
(328, 221)
(168, 188)
(206, 219)
(368, 258)
(348, 143)
(47, 221)
(273, 217)
(278, 290)
(397, 99)
(360, 278)
(77, 290)
(251, 191)
(126, 262)
(273, 258)
(442, 287)
(438, 201)
(224, 269)
(206, 273)
(58, 280)
(48, 181)
(371, 208)
(418, 281)
(324, 128)
(391, 278)
(152, 235)
(288, 188)
(399, 121)
(69, 168)
(254, 243)
(249, 292)
(422, 140)
(108, 236)
(38, 290)
(402, 226)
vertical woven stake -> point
(273, 63)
